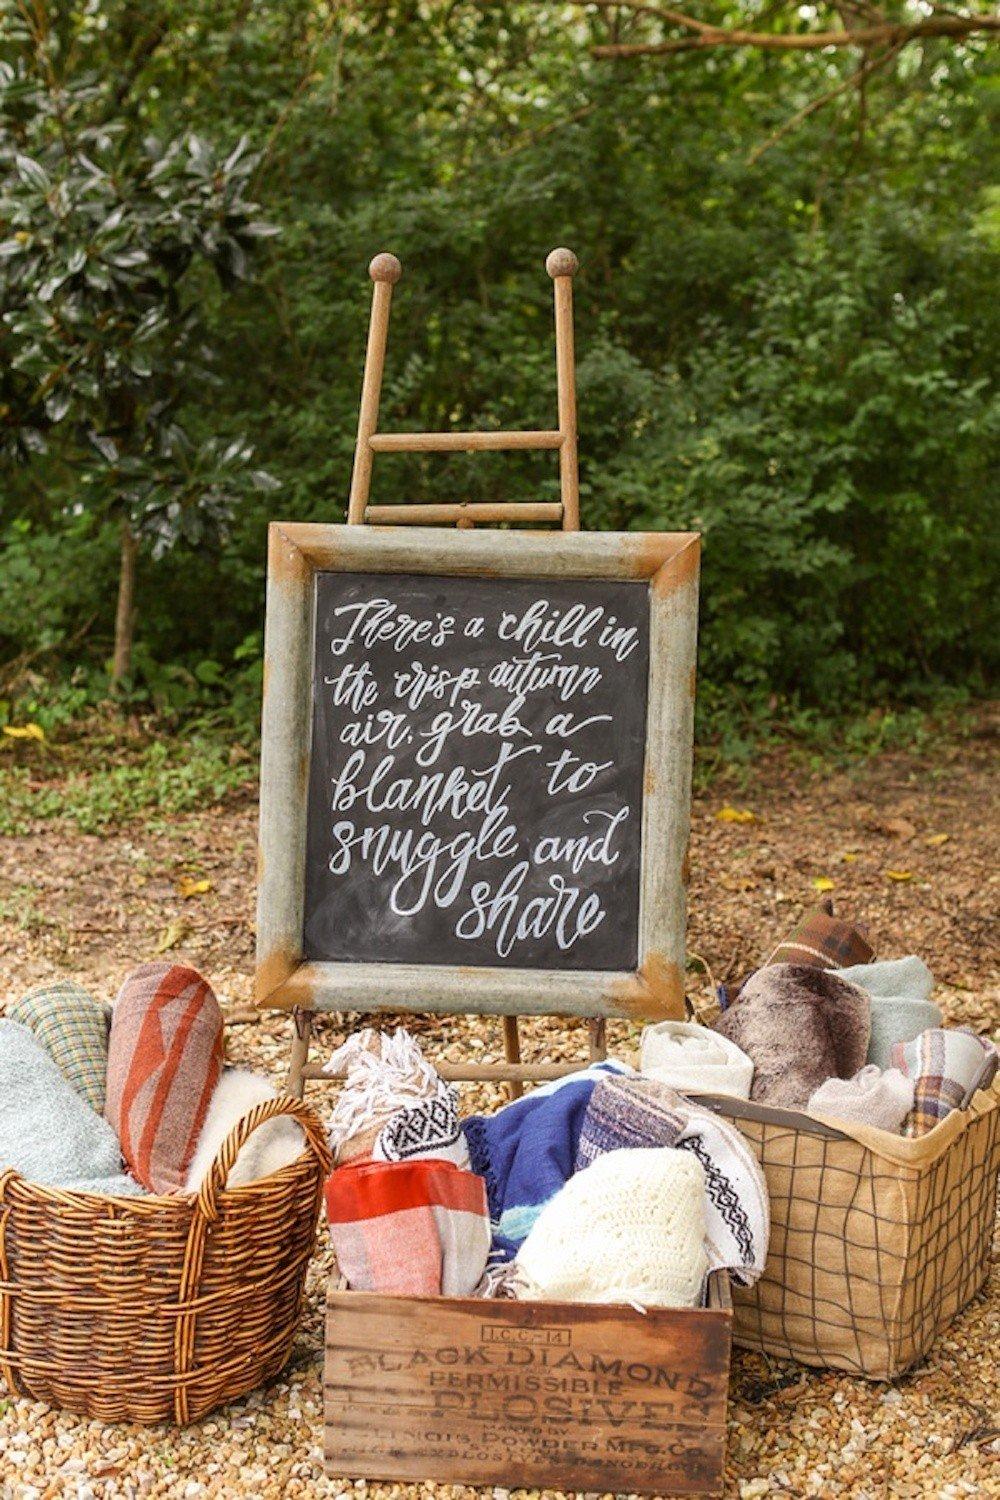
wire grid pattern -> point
(869, 1259)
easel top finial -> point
(561, 262)
(385, 267)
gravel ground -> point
(907, 845)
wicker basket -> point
(877, 1242)
(158, 1309)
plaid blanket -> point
(408, 1228)
(73, 1028)
(947, 1068)
(821, 941)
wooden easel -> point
(385, 270)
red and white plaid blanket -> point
(409, 1228)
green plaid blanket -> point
(73, 1028)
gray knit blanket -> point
(48, 1132)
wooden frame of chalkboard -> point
(667, 564)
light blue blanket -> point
(901, 1004)
(48, 1132)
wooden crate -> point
(544, 1395)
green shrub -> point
(796, 355)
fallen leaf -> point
(823, 883)
(729, 814)
(187, 887)
(899, 874)
(936, 840)
(25, 732)
(848, 857)
(175, 932)
(894, 828)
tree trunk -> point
(121, 663)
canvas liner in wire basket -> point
(877, 1241)
(158, 1309)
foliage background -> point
(793, 351)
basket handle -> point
(269, 1109)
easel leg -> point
(597, 1027)
(512, 1050)
(302, 1024)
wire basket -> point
(877, 1241)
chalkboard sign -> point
(476, 770)
(475, 789)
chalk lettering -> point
(476, 771)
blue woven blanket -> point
(527, 1151)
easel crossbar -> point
(461, 442)
(508, 1072)
(518, 511)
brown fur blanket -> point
(800, 1026)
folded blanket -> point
(900, 992)
(164, 1061)
(408, 1228)
(801, 1026)
(737, 1206)
(947, 1068)
(526, 1151)
(871, 1097)
(630, 1229)
(431, 1128)
(626, 1113)
(273, 1145)
(695, 1059)
(821, 940)
(394, 1104)
(48, 1132)
(73, 1028)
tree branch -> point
(888, 33)
(818, 103)
(673, 17)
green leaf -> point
(105, 445)
(32, 172)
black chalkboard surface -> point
(476, 771)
